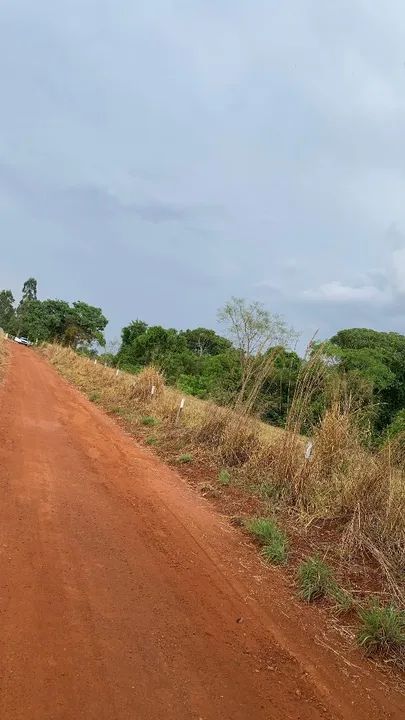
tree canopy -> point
(77, 325)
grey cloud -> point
(245, 148)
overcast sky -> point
(157, 157)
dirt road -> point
(124, 597)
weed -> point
(382, 628)
(269, 491)
(149, 421)
(151, 440)
(270, 535)
(94, 397)
(224, 478)
(314, 579)
(186, 458)
(118, 411)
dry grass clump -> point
(148, 385)
(234, 436)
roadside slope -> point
(124, 596)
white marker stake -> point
(153, 390)
(117, 373)
(95, 361)
(308, 451)
(180, 410)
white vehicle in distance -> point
(22, 341)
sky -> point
(158, 157)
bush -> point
(382, 629)
(315, 578)
(272, 538)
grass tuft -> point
(224, 477)
(275, 545)
(315, 579)
(382, 629)
(151, 440)
(149, 420)
(186, 458)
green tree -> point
(7, 312)
(379, 359)
(202, 341)
(84, 325)
(29, 291)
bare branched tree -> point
(258, 335)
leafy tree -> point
(202, 341)
(7, 312)
(84, 324)
(29, 291)
(378, 358)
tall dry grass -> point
(363, 492)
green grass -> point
(95, 397)
(224, 477)
(186, 458)
(151, 440)
(315, 579)
(382, 629)
(149, 420)
(274, 541)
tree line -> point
(252, 364)
(77, 325)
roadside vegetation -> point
(3, 354)
(306, 453)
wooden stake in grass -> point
(117, 372)
(180, 411)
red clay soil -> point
(123, 595)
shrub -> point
(315, 579)
(271, 537)
(382, 628)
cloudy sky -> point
(158, 157)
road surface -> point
(123, 596)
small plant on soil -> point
(382, 629)
(272, 538)
(151, 440)
(186, 458)
(118, 411)
(315, 578)
(94, 397)
(224, 477)
(149, 421)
